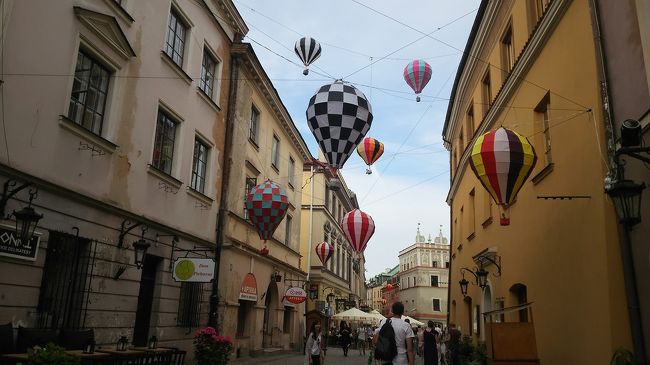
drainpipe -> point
(223, 195)
(615, 172)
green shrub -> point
(471, 354)
(51, 354)
(622, 357)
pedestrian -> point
(345, 337)
(403, 336)
(429, 348)
(454, 344)
(440, 344)
(420, 340)
(314, 344)
(361, 340)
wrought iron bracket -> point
(634, 152)
(496, 263)
(464, 269)
(10, 189)
(127, 226)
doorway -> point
(270, 315)
(145, 300)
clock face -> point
(184, 269)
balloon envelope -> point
(417, 74)
(308, 50)
(324, 251)
(370, 150)
(339, 116)
(502, 160)
(358, 227)
(266, 205)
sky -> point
(362, 45)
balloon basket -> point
(417, 99)
(305, 72)
(504, 221)
(368, 171)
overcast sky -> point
(409, 183)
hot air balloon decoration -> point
(324, 251)
(358, 227)
(417, 74)
(308, 50)
(370, 150)
(502, 160)
(266, 205)
(339, 116)
(389, 286)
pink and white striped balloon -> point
(324, 251)
(358, 228)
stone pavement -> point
(334, 357)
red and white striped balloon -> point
(358, 228)
(324, 251)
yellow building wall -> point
(564, 251)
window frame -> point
(188, 314)
(275, 152)
(254, 125)
(433, 304)
(253, 182)
(287, 230)
(507, 50)
(203, 81)
(95, 61)
(175, 12)
(204, 179)
(486, 91)
(291, 170)
(168, 115)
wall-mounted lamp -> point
(479, 273)
(126, 227)
(27, 219)
(140, 247)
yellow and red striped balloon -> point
(502, 161)
(370, 150)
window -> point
(189, 304)
(486, 86)
(66, 277)
(242, 314)
(500, 318)
(487, 208)
(507, 51)
(292, 171)
(287, 234)
(434, 281)
(163, 147)
(88, 98)
(446, 264)
(436, 305)
(208, 69)
(469, 123)
(175, 44)
(199, 166)
(327, 196)
(471, 215)
(435, 264)
(254, 125)
(477, 320)
(250, 183)
(275, 152)
(408, 282)
(542, 128)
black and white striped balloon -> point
(308, 49)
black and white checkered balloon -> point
(339, 116)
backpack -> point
(386, 347)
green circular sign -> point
(184, 269)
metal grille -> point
(189, 306)
(65, 286)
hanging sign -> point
(12, 246)
(295, 295)
(248, 289)
(195, 270)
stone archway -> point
(271, 305)
(487, 306)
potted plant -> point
(210, 348)
(622, 357)
(51, 354)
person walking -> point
(345, 338)
(403, 336)
(454, 344)
(420, 340)
(429, 348)
(314, 345)
(361, 340)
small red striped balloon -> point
(417, 74)
(370, 150)
(324, 251)
(358, 228)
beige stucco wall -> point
(564, 251)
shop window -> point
(189, 304)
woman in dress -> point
(314, 346)
(430, 348)
(345, 337)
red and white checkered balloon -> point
(324, 251)
(358, 228)
(267, 204)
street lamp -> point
(140, 249)
(27, 220)
(626, 195)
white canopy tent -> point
(354, 315)
(414, 322)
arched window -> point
(468, 311)
(519, 295)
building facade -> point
(340, 283)
(115, 113)
(254, 274)
(625, 64)
(373, 287)
(530, 66)
(423, 277)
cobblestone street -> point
(334, 357)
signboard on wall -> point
(195, 270)
(11, 246)
(295, 295)
(248, 289)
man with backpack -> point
(393, 339)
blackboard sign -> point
(11, 246)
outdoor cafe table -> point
(20, 358)
(157, 350)
(114, 352)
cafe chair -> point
(7, 339)
(30, 337)
(76, 339)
